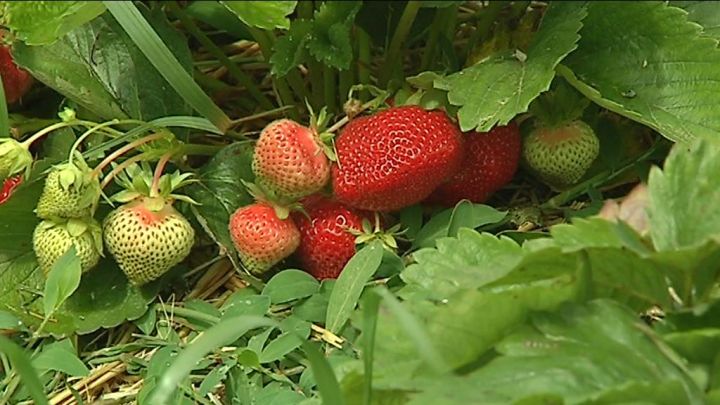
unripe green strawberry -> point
(52, 239)
(70, 191)
(261, 238)
(290, 160)
(147, 237)
(561, 154)
(14, 157)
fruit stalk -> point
(96, 128)
(401, 32)
(154, 188)
(119, 152)
(119, 168)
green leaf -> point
(220, 191)
(277, 394)
(22, 365)
(327, 382)
(679, 197)
(703, 13)
(330, 40)
(98, 67)
(295, 332)
(500, 87)
(218, 16)
(8, 321)
(290, 49)
(224, 332)
(581, 353)
(289, 285)
(468, 323)
(698, 345)
(63, 280)
(468, 261)
(350, 284)
(262, 14)
(43, 22)
(415, 332)
(166, 63)
(314, 308)
(659, 71)
(245, 302)
(60, 356)
(106, 299)
(439, 225)
(692, 271)
(596, 233)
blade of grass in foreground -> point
(23, 367)
(4, 120)
(223, 333)
(165, 62)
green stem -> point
(347, 78)
(97, 128)
(119, 168)
(188, 313)
(330, 89)
(196, 149)
(210, 46)
(286, 97)
(363, 61)
(436, 27)
(119, 152)
(393, 56)
(482, 29)
(597, 180)
(260, 115)
(316, 82)
(4, 116)
(159, 168)
(26, 143)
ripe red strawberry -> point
(289, 160)
(395, 157)
(147, 237)
(491, 160)
(16, 81)
(9, 186)
(326, 243)
(261, 238)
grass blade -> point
(182, 121)
(224, 332)
(415, 332)
(324, 375)
(4, 120)
(23, 367)
(371, 306)
(350, 285)
(165, 62)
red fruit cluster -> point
(16, 81)
(386, 161)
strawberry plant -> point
(359, 202)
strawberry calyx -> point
(558, 106)
(370, 232)
(15, 157)
(137, 180)
(282, 207)
(76, 227)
